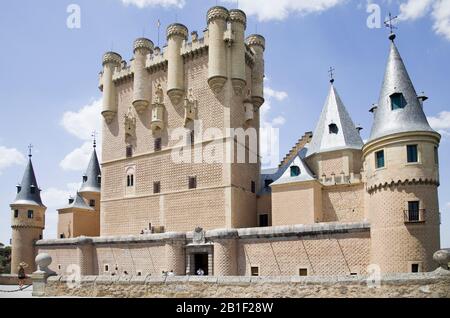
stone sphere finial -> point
(442, 257)
(43, 261)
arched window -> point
(333, 128)
(295, 171)
(130, 176)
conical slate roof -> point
(409, 118)
(78, 203)
(91, 176)
(28, 190)
(342, 135)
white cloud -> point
(440, 13)
(414, 9)
(441, 16)
(441, 123)
(266, 10)
(155, 3)
(10, 157)
(269, 137)
(81, 124)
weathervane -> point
(30, 147)
(331, 70)
(389, 23)
(94, 140)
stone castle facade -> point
(334, 206)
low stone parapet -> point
(8, 279)
(422, 285)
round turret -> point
(111, 60)
(176, 34)
(258, 44)
(141, 86)
(217, 66)
(238, 21)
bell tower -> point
(27, 220)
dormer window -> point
(333, 129)
(99, 179)
(32, 189)
(19, 187)
(295, 171)
(85, 179)
(398, 101)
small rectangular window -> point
(129, 151)
(158, 144)
(398, 101)
(379, 159)
(30, 214)
(413, 211)
(16, 213)
(40, 236)
(412, 153)
(415, 268)
(263, 220)
(157, 187)
(254, 270)
(61, 236)
(130, 180)
(436, 155)
(92, 203)
(192, 182)
(303, 272)
(192, 137)
(253, 187)
(106, 268)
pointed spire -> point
(78, 203)
(28, 191)
(335, 129)
(92, 176)
(399, 108)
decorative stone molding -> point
(217, 12)
(112, 58)
(394, 183)
(144, 45)
(190, 108)
(442, 257)
(177, 29)
(238, 16)
(256, 39)
(216, 83)
(130, 123)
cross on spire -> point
(389, 23)
(30, 147)
(331, 71)
(94, 141)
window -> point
(267, 183)
(295, 171)
(129, 151)
(398, 101)
(99, 179)
(40, 236)
(61, 236)
(415, 268)
(379, 159)
(412, 153)
(33, 189)
(333, 129)
(192, 182)
(158, 144)
(254, 271)
(84, 179)
(59, 266)
(92, 203)
(106, 268)
(156, 187)
(139, 273)
(130, 180)
(16, 213)
(263, 220)
(30, 214)
(436, 155)
(253, 187)
(413, 211)
(303, 272)
(192, 137)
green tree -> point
(5, 259)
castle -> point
(334, 206)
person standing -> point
(21, 274)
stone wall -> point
(6, 279)
(427, 285)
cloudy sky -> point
(49, 74)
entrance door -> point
(201, 262)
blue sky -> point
(49, 74)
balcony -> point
(414, 216)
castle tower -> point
(27, 221)
(81, 217)
(176, 35)
(111, 61)
(141, 92)
(401, 167)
